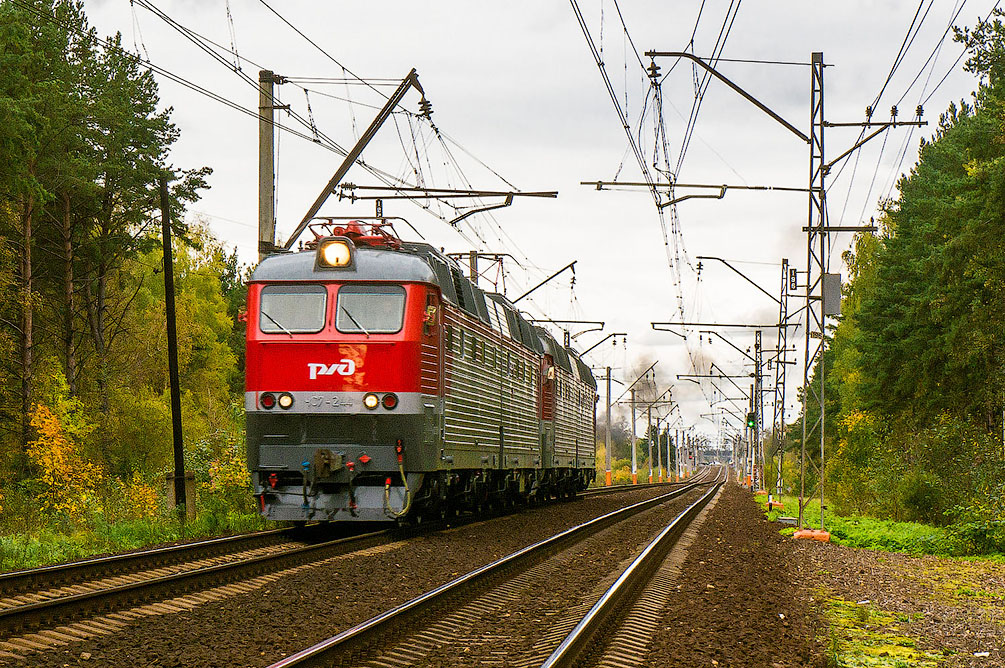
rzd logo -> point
(344, 367)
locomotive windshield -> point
(370, 309)
(293, 309)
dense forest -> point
(915, 368)
(85, 430)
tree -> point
(39, 64)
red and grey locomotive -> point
(382, 383)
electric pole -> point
(759, 413)
(607, 430)
(172, 341)
(635, 466)
(789, 282)
(649, 439)
(266, 163)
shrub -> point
(979, 527)
(921, 495)
(66, 479)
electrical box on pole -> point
(832, 294)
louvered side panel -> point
(565, 423)
(587, 438)
(471, 414)
(429, 369)
(491, 388)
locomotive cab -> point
(343, 380)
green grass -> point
(867, 532)
(44, 546)
(862, 635)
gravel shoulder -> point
(892, 609)
(738, 602)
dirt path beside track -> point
(737, 602)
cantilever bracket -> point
(722, 193)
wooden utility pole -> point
(172, 337)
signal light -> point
(390, 401)
(267, 400)
(285, 400)
(364, 459)
(371, 400)
(751, 420)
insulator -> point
(920, 111)
(868, 112)
(653, 69)
(893, 111)
(425, 108)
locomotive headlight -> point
(371, 400)
(335, 253)
(285, 400)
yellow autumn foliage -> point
(67, 479)
(141, 499)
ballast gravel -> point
(296, 611)
(738, 602)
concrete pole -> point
(266, 164)
(635, 464)
(649, 440)
(666, 435)
(676, 445)
(607, 430)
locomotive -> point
(382, 384)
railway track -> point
(615, 631)
(141, 581)
(35, 599)
(443, 615)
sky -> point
(520, 104)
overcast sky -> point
(515, 85)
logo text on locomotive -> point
(344, 367)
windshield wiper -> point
(278, 324)
(355, 322)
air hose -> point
(387, 488)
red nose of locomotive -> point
(334, 347)
(342, 344)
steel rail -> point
(580, 640)
(32, 616)
(65, 608)
(73, 572)
(600, 491)
(348, 644)
(56, 575)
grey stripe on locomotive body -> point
(485, 400)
